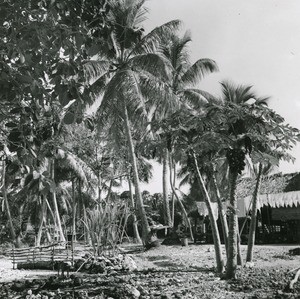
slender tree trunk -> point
(251, 238)
(239, 257)
(7, 206)
(136, 234)
(56, 211)
(187, 220)
(222, 213)
(99, 187)
(140, 204)
(213, 222)
(42, 221)
(232, 235)
(109, 190)
(167, 214)
(172, 183)
(74, 205)
(87, 237)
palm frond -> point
(198, 70)
(78, 166)
(154, 64)
(174, 49)
(98, 86)
(150, 42)
(94, 69)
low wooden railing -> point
(50, 253)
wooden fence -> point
(50, 253)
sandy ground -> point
(188, 272)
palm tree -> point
(135, 75)
(184, 76)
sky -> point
(253, 42)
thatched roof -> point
(278, 190)
(273, 184)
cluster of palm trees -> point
(150, 107)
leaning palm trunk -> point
(232, 235)
(140, 204)
(167, 213)
(222, 213)
(187, 220)
(251, 238)
(213, 222)
(56, 211)
(136, 234)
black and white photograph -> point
(149, 149)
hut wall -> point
(285, 214)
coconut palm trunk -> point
(232, 234)
(172, 183)
(56, 211)
(251, 238)
(167, 212)
(140, 204)
(136, 234)
(213, 222)
(222, 213)
(183, 210)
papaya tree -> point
(254, 130)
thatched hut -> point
(279, 207)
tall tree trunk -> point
(232, 234)
(251, 238)
(56, 211)
(7, 206)
(74, 205)
(222, 213)
(187, 220)
(239, 258)
(172, 183)
(42, 221)
(167, 214)
(140, 204)
(213, 222)
(136, 234)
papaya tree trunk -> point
(213, 222)
(56, 211)
(140, 204)
(232, 234)
(167, 213)
(222, 213)
(136, 234)
(251, 238)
